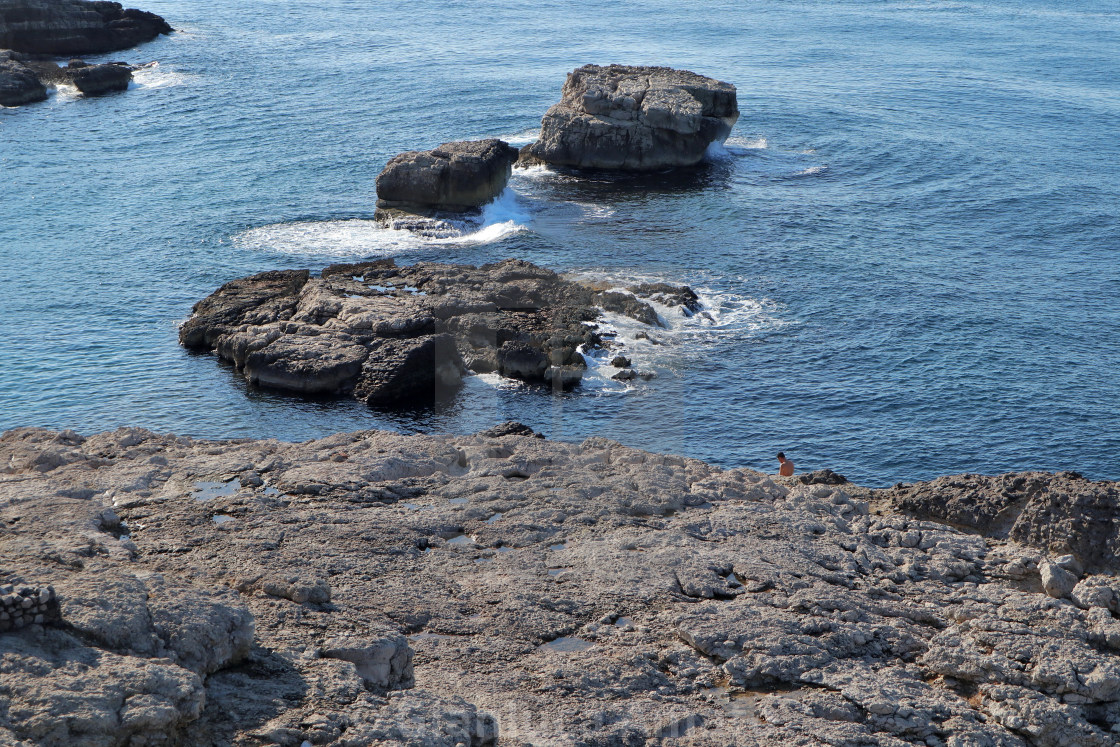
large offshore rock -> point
(455, 176)
(19, 84)
(505, 586)
(386, 334)
(629, 118)
(75, 27)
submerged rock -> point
(504, 586)
(75, 27)
(453, 177)
(630, 118)
(386, 334)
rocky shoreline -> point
(32, 32)
(502, 589)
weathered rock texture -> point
(74, 27)
(516, 591)
(627, 118)
(1061, 514)
(455, 176)
(19, 84)
(386, 334)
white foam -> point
(503, 217)
(153, 76)
(812, 170)
(727, 313)
(65, 91)
(523, 138)
(743, 143)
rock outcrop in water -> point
(373, 588)
(90, 80)
(455, 176)
(75, 27)
(387, 334)
(19, 84)
(628, 118)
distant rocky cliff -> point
(74, 27)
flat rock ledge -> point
(455, 177)
(75, 27)
(374, 588)
(386, 334)
(632, 118)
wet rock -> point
(455, 176)
(75, 27)
(95, 80)
(386, 334)
(19, 84)
(510, 428)
(631, 118)
(822, 477)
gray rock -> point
(1056, 581)
(455, 176)
(19, 84)
(384, 662)
(386, 334)
(75, 27)
(630, 118)
(552, 593)
(1059, 513)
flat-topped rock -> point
(631, 118)
(501, 586)
(387, 334)
(455, 176)
(75, 27)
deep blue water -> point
(911, 247)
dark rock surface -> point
(1058, 513)
(19, 84)
(378, 589)
(455, 176)
(74, 27)
(627, 118)
(90, 80)
(387, 334)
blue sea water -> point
(910, 246)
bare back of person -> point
(786, 468)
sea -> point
(908, 250)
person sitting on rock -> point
(786, 468)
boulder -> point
(630, 118)
(19, 84)
(455, 176)
(75, 27)
(386, 334)
(94, 80)
(383, 662)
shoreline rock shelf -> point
(386, 334)
(378, 588)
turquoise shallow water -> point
(911, 248)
